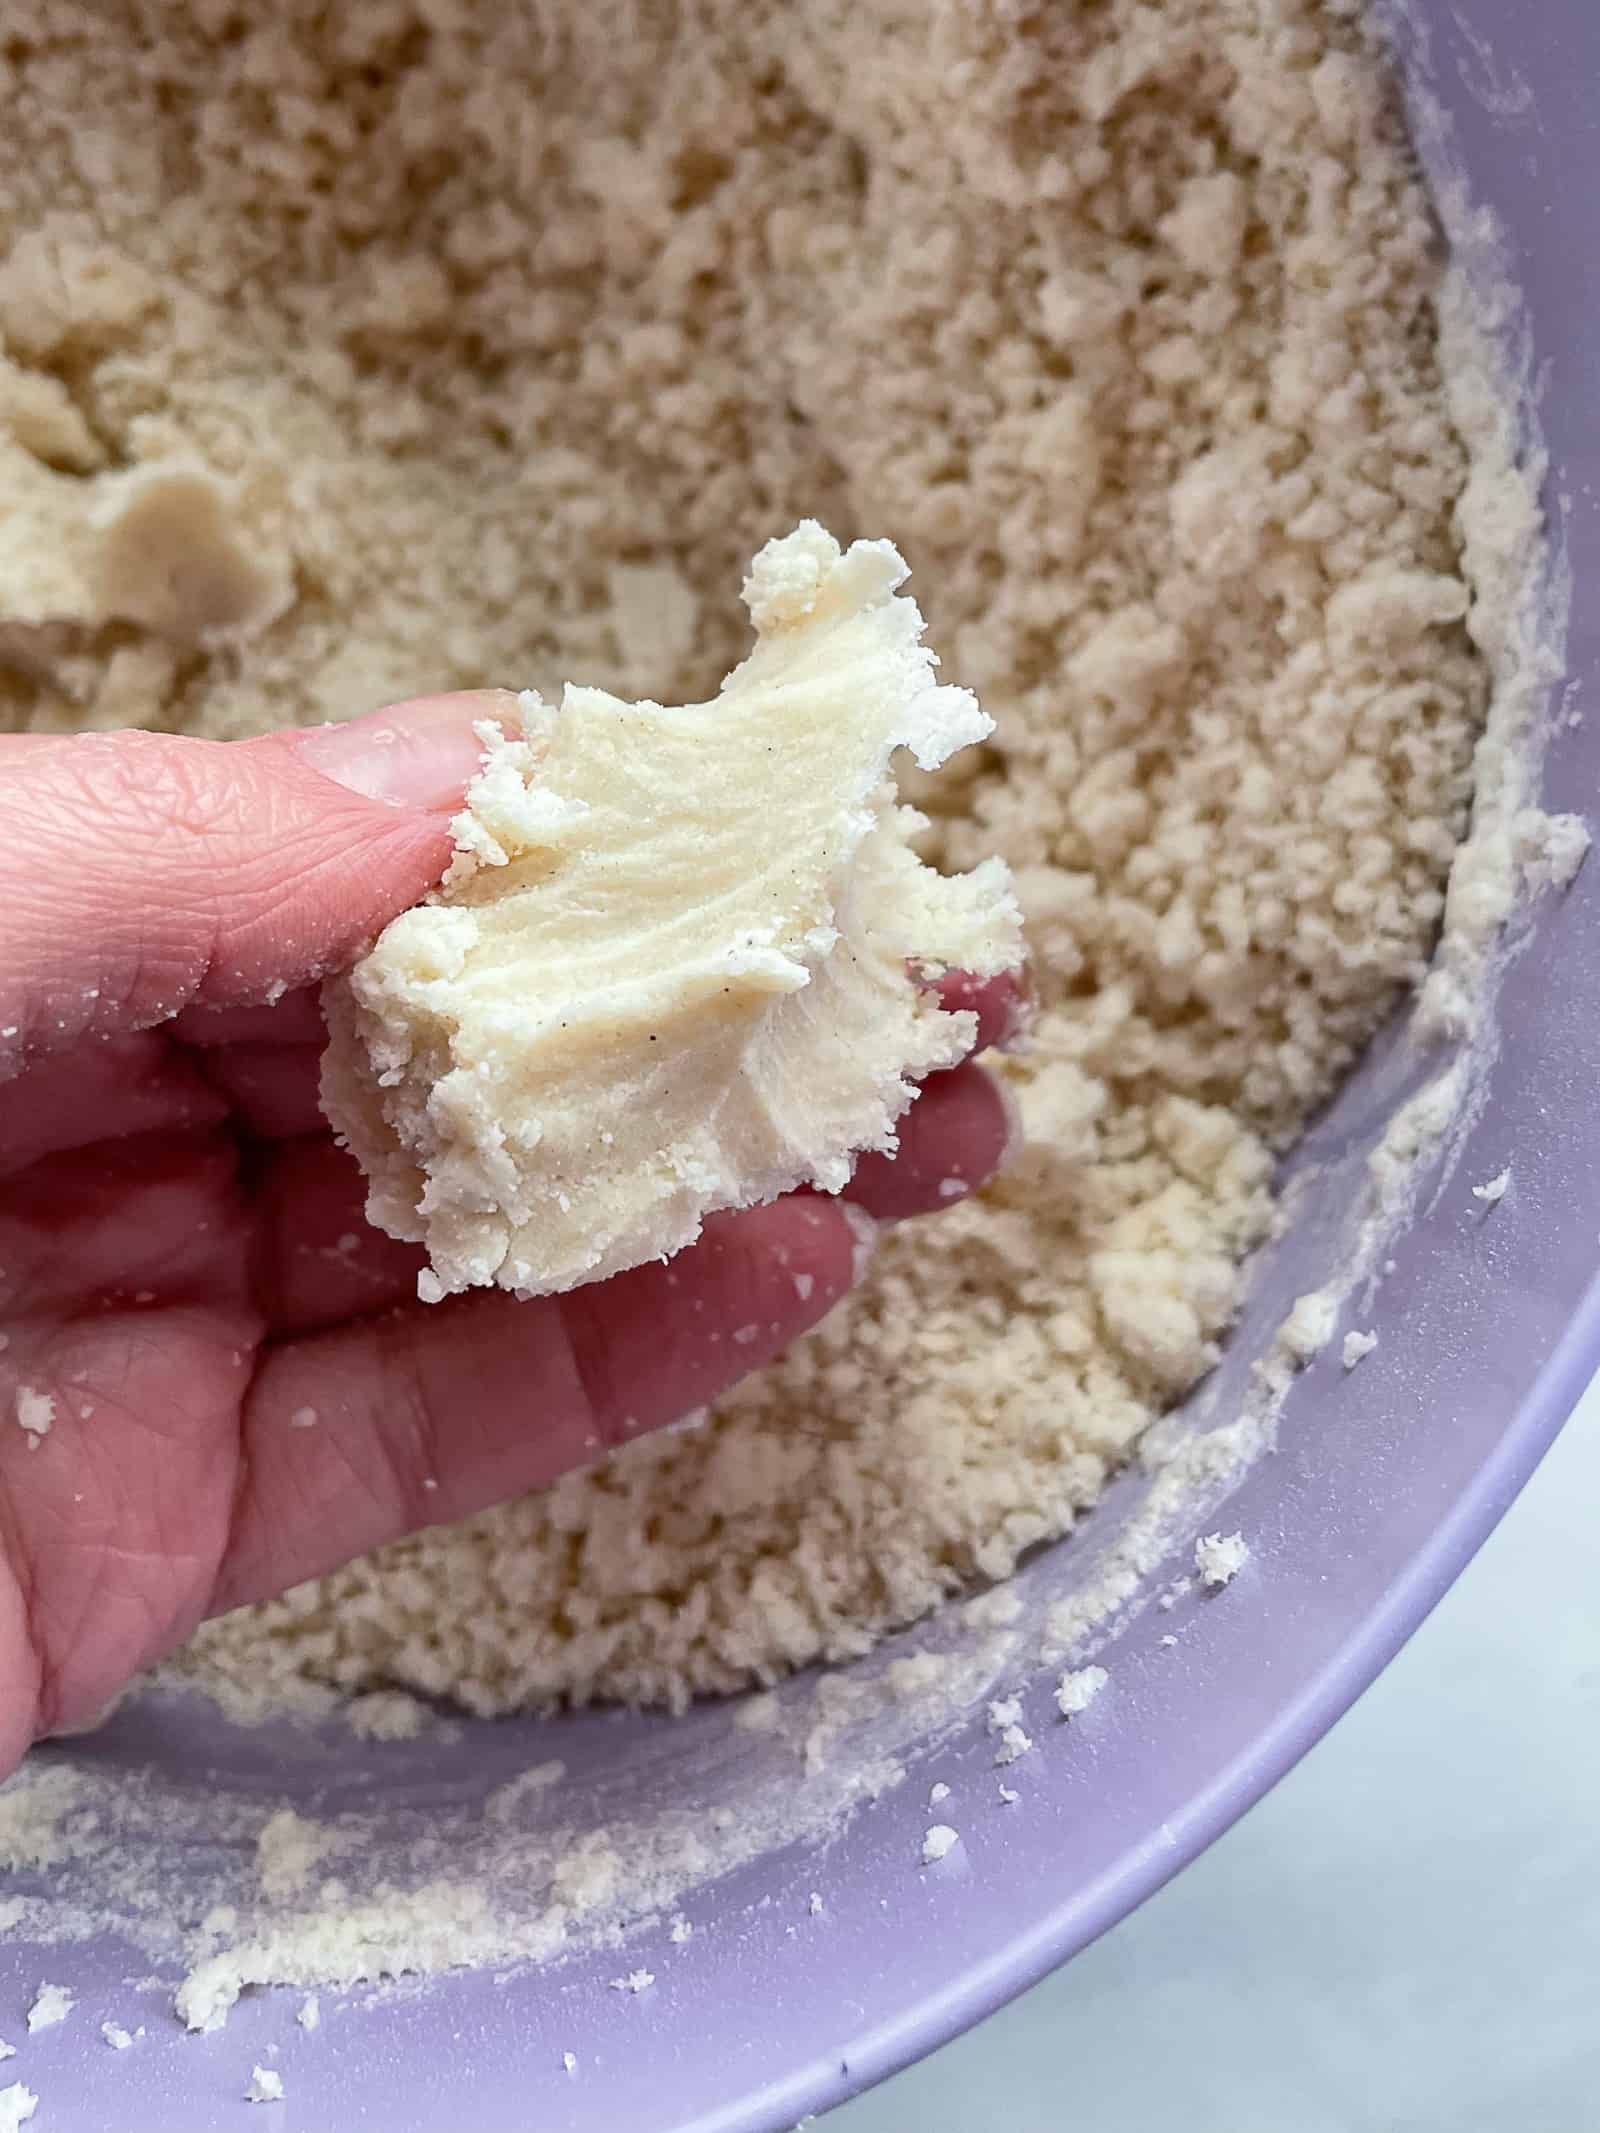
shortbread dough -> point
(679, 961)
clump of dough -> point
(673, 967)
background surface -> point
(1404, 1937)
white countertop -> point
(1403, 1937)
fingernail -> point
(421, 754)
(864, 1238)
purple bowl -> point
(1384, 1483)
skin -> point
(243, 1389)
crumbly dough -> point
(673, 966)
(1219, 1557)
(505, 335)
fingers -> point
(102, 1092)
(953, 1138)
(357, 1436)
(296, 1018)
(321, 1261)
(142, 873)
(273, 1089)
(156, 1220)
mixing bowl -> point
(1383, 1482)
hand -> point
(215, 1380)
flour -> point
(288, 1848)
(32, 1811)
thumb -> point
(141, 873)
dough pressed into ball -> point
(677, 964)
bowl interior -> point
(1383, 1481)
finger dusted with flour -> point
(679, 963)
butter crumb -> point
(35, 1413)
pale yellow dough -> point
(671, 969)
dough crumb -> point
(759, 1713)
(1008, 1798)
(288, 1847)
(569, 2061)
(51, 2004)
(35, 1413)
(936, 1793)
(7, 2051)
(309, 2013)
(1309, 1327)
(387, 1714)
(1219, 1558)
(679, 1931)
(1356, 1347)
(17, 2105)
(635, 1981)
(1493, 1190)
(117, 2037)
(997, 1609)
(814, 1903)
(938, 1840)
(265, 2086)
(1005, 1719)
(622, 946)
(1078, 1688)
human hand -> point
(215, 1380)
